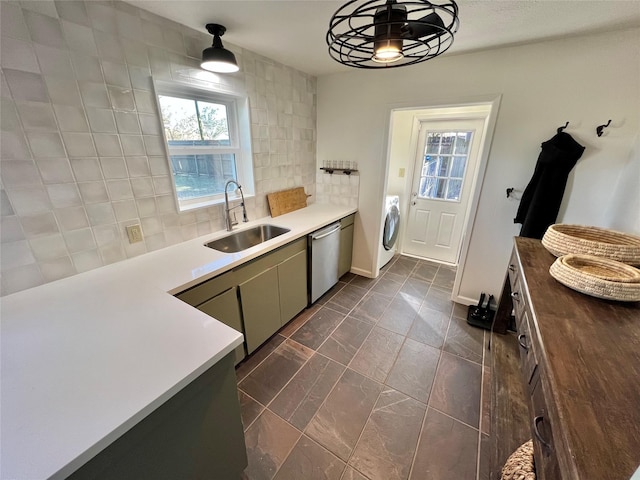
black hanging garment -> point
(541, 199)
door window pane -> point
(440, 188)
(453, 192)
(463, 140)
(457, 170)
(442, 174)
(443, 166)
(446, 146)
(433, 142)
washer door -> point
(391, 228)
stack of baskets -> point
(595, 261)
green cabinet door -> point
(346, 248)
(225, 308)
(292, 284)
(260, 307)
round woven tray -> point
(598, 277)
(561, 239)
(520, 465)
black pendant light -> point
(216, 58)
(389, 33)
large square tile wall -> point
(82, 153)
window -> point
(206, 143)
(445, 161)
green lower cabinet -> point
(225, 308)
(260, 301)
(292, 285)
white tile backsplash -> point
(64, 195)
(20, 173)
(45, 144)
(113, 167)
(63, 91)
(79, 38)
(15, 254)
(54, 62)
(128, 123)
(21, 278)
(55, 170)
(72, 218)
(38, 225)
(79, 144)
(121, 98)
(56, 269)
(100, 214)
(73, 11)
(44, 29)
(82, 149)
(48, 247)
(25, 85)
(101, 120)
(37, 117)
(132, 144)
(79, 240)
(84, 261)
(18, 54)
(93, 192)
(95, 94)
(142, 187)
(10, 229)
(71, 119)
(119, 189)
(13, 24)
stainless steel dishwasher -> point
(324, 250)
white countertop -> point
(87, 357)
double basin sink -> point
(243, 239)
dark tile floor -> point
(380, 379)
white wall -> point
(583, 80)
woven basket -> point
(561, 239)
(598, 277)
(520, 464)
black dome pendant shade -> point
(216, 58)
(391, 33)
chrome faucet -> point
(227, 210)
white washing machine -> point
(390, 231)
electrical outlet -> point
(134, 232)
(401, 173)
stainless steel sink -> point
(243, 239)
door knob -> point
(414, 194)
(413, 203)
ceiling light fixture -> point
(388, 33)
(216, 58)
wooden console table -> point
(569, 377)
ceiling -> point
(293, 32)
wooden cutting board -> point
(286, 201)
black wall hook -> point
(560, 129)
(599, 128)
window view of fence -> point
(199, 139)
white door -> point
(446, 162)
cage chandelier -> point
(388, 33)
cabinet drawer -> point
(526, 345)
(518, 300)
(208, 289)
(547, 466)
(255, 267)
(513, 270)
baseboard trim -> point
(362, 273)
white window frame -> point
(239, 136)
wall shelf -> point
(346, 171)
